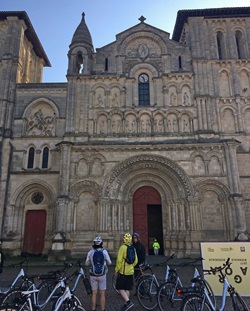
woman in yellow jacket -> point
(125, 272)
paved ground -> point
(113, 299)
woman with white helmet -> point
(98, 258)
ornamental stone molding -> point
(147, 162)
(82, 186)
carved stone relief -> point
(143, 48)
(172, 123)
(145, 124)
(102, 125)
(131, 124)
(185, 123)
(158, 124)
(116, 124)
(41, 121)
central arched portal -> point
(147, 217)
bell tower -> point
(80, 55)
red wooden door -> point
(34, 232)
(143, 197)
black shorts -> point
(124, 282)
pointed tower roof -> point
(82, 34)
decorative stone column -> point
(58, 250)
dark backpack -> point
(98, 266)
(130, 258)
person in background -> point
(98, 279)
(140, 251)
(156, 247)
(125, 272)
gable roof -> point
(183, 15)
(29, 32)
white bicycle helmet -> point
(97, 240)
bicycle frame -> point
(81, 273)
(20, 275)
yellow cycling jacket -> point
(121, 266)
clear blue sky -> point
(56, 20)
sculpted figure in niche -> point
(116, 125)
(172, 124)
(102, 126)
(158, 125)
(185, 125)
(143, 51)
(186, 101)
(115, 102)
(145, 125)
(99, 101)
(173, 99)
(131, 125)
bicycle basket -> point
(87, 285)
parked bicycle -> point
(21, 281)
(202, 302)
(168, 292)
(67, 301)
(44, 283)
(144, 271)
(148, 287)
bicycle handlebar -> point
(214, 270)
(19, 264)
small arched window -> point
(45, 158)
(220, 45)
(31, 157)
(143, 90)
(106, 64)
(239, 44)
(79, 63)
(180, 62)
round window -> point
(37, 197)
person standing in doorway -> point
(140, 251)
(125, 271)
(98, 258)
(156, 247)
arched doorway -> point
(34, 232)
(147, 217)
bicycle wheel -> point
(238, 303)
(166, 296)
(147, 293)
(209, 292)
(114, 277)
(195, 303)
(68, 305)
(13, 298)
(8, 308)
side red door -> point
(34, 232)
(143, 197)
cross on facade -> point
(142, 19)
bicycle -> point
(21, 281)
(67, 301)
(169, 291)
(148, 287)
(200, 301)
(142, 273)
(47, 284)
(30, 298)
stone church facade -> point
(149, 134)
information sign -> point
(215, 254)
